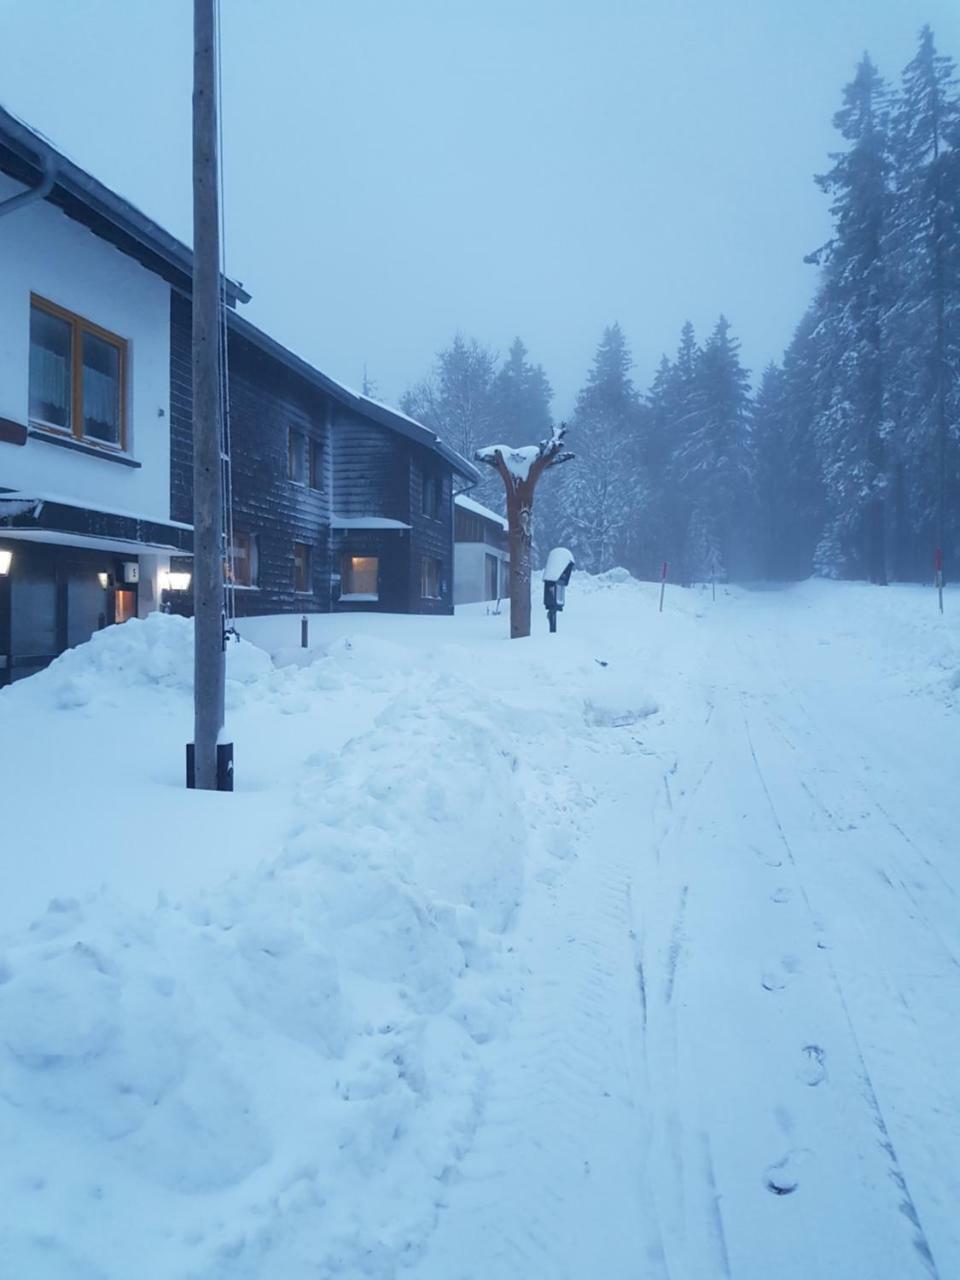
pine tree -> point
(457, 400)
(852, 429)
(924, 244)
(605, 422)
(521, 398)
(714, 458)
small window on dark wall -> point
(244, 560)
(297, 456)
(360, 578)
(430, 578)
(432, 495)
(302, 568)
(315, 468)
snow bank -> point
(155, 652)
(273, 1077)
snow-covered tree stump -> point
(520, 469)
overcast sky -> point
(398, 169)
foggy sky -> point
(396, 169)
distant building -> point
(339, 502)
(481, 553)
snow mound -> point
(152, 652)
(272, 1078)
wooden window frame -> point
(432, 560)
(432, 484)
(302, 437)
(346, 576)
(78, 326)
(308, 590)
(253, 561)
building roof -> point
(386, 416)
(478, 509)
(27, 156)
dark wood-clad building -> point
(339, 502)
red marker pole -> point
(663, 583)
(938, 566)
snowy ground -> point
(628, 952)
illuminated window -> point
(360, 577)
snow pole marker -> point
(663, 583)
(938, 566)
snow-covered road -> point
(632, 952)
(737, 1049)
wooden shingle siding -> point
(369, 470)
(266, 400)
(430, 536)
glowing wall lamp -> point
(104, 580)
(6, 559)
(170, 581)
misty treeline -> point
(844, 461)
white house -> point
(481, 556)
(85, 305)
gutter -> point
(48, 175)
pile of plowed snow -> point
(274, 1077)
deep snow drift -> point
(627, 951)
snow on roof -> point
(478, 509)
(366, 522)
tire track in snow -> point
(555, 1188)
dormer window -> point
(77, 375)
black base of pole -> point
(224, 766)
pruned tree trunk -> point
(520, 469)
(519, 519)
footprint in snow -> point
(814, 1069)
(783, 1177)
(781, 895)
(776, 979)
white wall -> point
(44, 252)
(469, 565)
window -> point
(360, 578)
(297, 457)
(315, 450)
(302, 568)
(432, 495)
(430, 570)
(244, 564)
(491, 584)
(77, 376)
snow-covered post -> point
(520, 469)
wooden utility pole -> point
(520, 469)
(209, 655)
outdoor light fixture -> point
(170, 581)
(104, 580)
(6, 559)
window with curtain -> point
(244, 559)
(302, 568)
(430, 569)
(77, 373)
